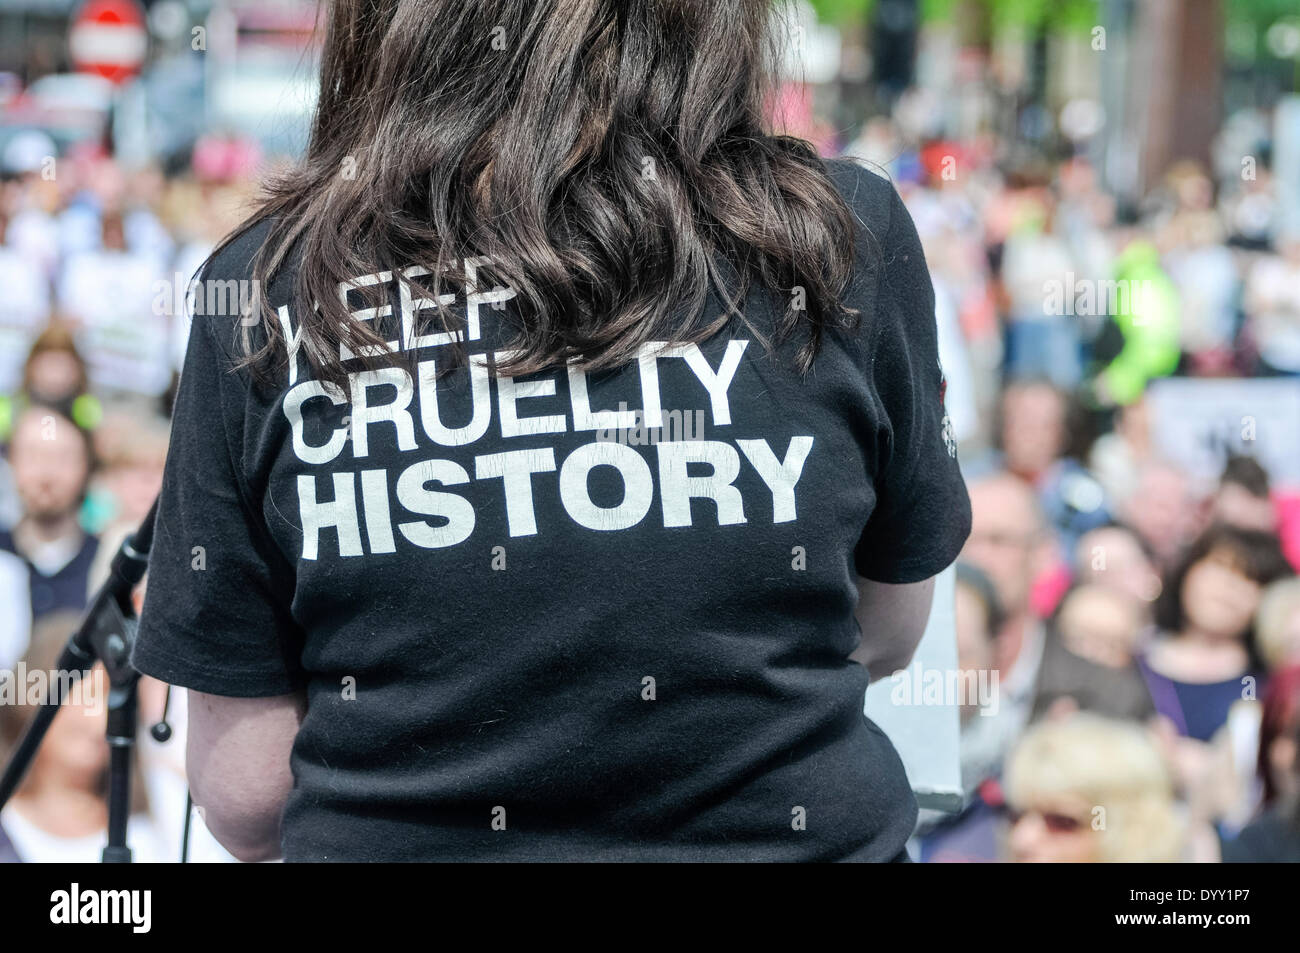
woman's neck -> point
(62, 810)
(1194, 655)
(1192, 635)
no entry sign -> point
(108, 38)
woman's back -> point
(526, 631)
(561, 549)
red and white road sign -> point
(109, 38)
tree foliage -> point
(1053, 14)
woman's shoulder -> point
(226, 291)
(873, 198)
(233, 258)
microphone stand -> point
(106, 635)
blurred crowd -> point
(1142, 620)
(1141, 614)
(95, 267)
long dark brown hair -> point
(609, 157)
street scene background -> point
(1108, 193)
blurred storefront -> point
(233, 69)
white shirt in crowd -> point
(25, 312)
(1274, 290)
(37, 846)
(124, 335)
(16, 619)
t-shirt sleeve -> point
(216, 611)
(922, 513)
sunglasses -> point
(1054, 822)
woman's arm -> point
(892, 619)
(237, 759)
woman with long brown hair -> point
(579, 454)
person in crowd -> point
(59, 813)
(110, 292)
(1035, 417)
(1204, 658)
(1234, 784)
(1203, 669)
(1277, 624)
(1205, 273)
(130, 450)
(91, 218)
(1185, 199)
(1249, 208)
(1010, 542)
(1273, 307)
(55, 375)
(52, 461)
(1274, 836)
(1116, 557)
(1033, 427)
(1242, 498)
(1120, 457)
(33, 199)
(144, 232)
(1086, 216)
(204, 216)
(1042, 338)
(1089, 789)
(26, 306)
(1089, 656)
(15, 608)
(1148, 319)
(1163, 510)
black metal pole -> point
(106, 634)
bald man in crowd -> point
(1011, 543)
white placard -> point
(927, 734)
(1196, 423)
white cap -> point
(27, 151)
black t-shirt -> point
(527, 632)
(1272, 838)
